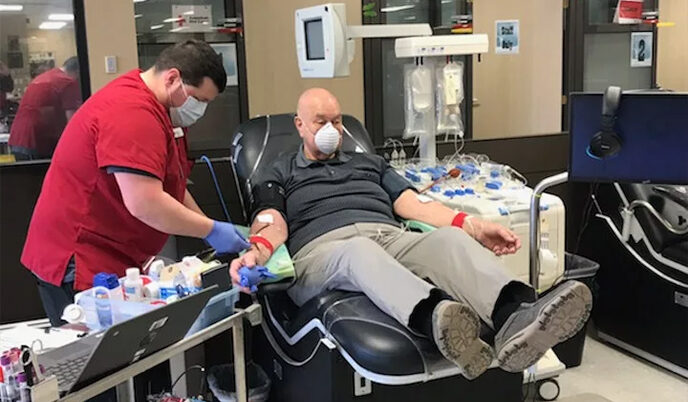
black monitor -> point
(653, 128)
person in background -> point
(6, 86)
(49, 102)
(116, 186)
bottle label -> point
(132, 293)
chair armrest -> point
(275, 287)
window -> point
(161, 23)
(597, 51)
(607, 49)
(40, 80)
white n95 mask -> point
(327, 139)
(188, 113)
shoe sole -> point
(457, 330)
(558, 321)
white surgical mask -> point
(327, 139)
(188, 113)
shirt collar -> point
(302, 161)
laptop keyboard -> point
(67, 371)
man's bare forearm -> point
(270, 225)
(408, 206)
(145, 199)
(191, 203)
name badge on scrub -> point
(178, 132)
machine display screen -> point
(315, 42)
(653, 128)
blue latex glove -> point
(251, 277)
(224, 238)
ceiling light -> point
(190, 12)
(61, 17)
(153, 27)
(11, 7)
(52, 25)
(397, 8)
(139, 1)
(138, 16)
(177, 19)
(177, 29)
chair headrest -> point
(261, 140)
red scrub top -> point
(41, 115)
(80, 211)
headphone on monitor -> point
(606, 142)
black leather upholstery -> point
(672, 208)
(677, 252)
(374, 341)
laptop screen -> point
(653, 128)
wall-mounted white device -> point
(441, 45)
(325, 43)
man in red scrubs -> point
(116, 187)
(49, 102)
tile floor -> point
(609, 374)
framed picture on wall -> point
(641, 49)
(229, 61)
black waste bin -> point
(221, 382)
(583, 270)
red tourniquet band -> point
(459, 219)
(263, 241)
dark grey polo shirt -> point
(316, 197)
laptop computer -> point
(81, 363)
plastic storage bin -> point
(121, 310)
(583, 270)
(219, 307)
(222, 384)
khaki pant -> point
(389, 265)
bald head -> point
(316, 108)
(316, 99)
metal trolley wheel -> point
(548, 390)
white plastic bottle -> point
(155, 269)
(133, 285)
(103, 306)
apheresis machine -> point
(497, 193)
